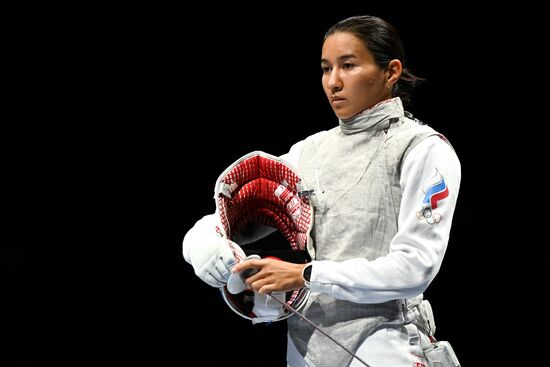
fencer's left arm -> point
(417, 250)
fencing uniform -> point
(385, 192)
(385, 188)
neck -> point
(373, 116)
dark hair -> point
(383, 41)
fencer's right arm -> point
(210, 253)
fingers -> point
(209, 279)
(267, 275)
(221, 271)
(249, 264)
(261, 286)
(267, 289)
(263, 282)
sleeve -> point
(430, 180)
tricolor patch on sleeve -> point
(435, 191)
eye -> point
(326, 69)
(347, 66)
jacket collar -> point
(375, 118)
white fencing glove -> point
(236, 282)
(214, 258)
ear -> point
(393, 72)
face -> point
(351, 79)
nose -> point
(334, 82)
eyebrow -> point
(341, 58)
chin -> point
(341, 114)
(344, 116)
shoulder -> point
(414, 131)
(312, 139)
(411, 135)
(435, 142)
(296, 150)
(317, 138)
(434, 148)
(321, 135)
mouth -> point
(337, 100)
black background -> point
(124, 118)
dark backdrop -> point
(142, 109)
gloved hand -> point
(236, 282)
(213, 259)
